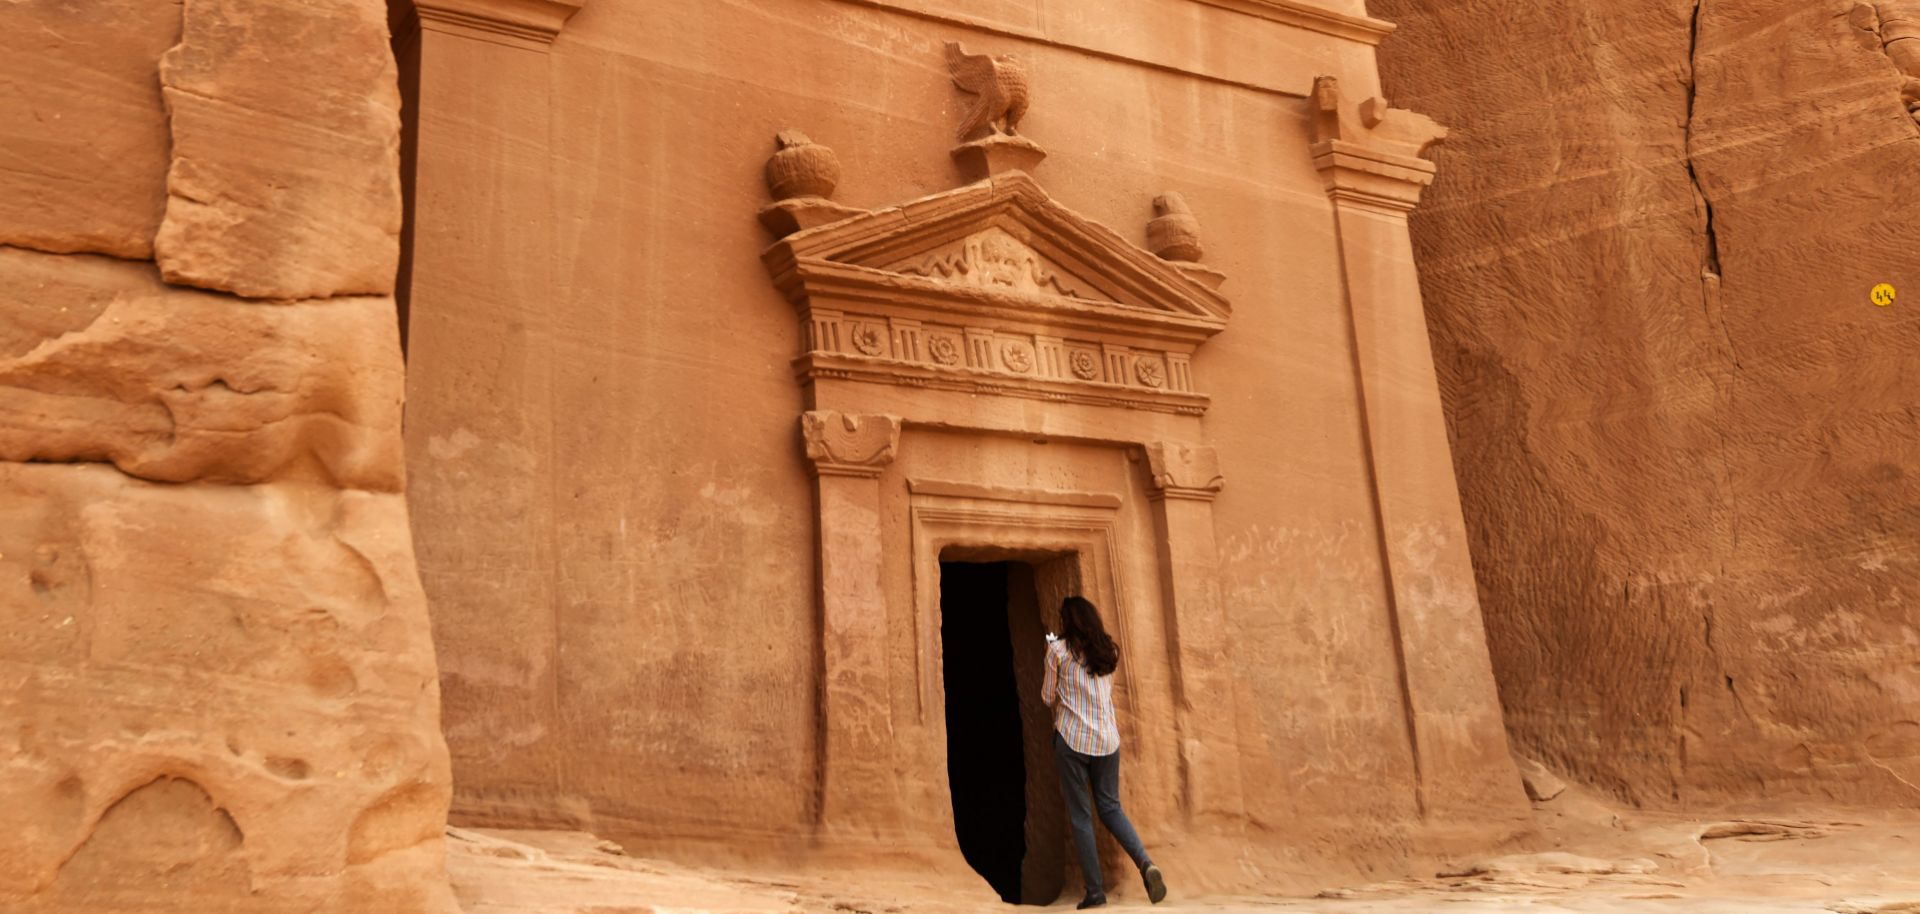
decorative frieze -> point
(1037, 355)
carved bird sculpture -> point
(998, 84)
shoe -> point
(1156, 886)
(1091, 901)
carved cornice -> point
(846, 286)
(1184, 471)
(990, 382)
(521, 23)
(841, 444)
(1364, 29)
(1369, 178)
(1369, 154)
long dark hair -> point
(1080, 627)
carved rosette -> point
(1085, 364)
(1017, 357)
(843, 444)
(1150, 372)
(945, 350)
(1184, 471)
(870, 339)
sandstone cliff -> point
(1684, 435)
(217, 687)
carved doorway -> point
(992, 311)
(1007, 812)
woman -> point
(1086, 742)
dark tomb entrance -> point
(1007, 813)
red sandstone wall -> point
(616, 523)
(217, 687)
(1684, 436)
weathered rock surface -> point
(285, 121)
(179, 385)
(217, 684)
(85, 148)
(216, 697)
(1684, 435)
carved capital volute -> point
(843, 444)
(1184, 471)
(521, 23)
(1370, 154)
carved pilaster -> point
(1369, 157)
(1183, 480)
(840, 444)
(859, 795)
(1184, 471)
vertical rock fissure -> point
(1711, 257)
(1711, 276)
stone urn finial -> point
(801, 168)
(801, 175)
(1174, 233)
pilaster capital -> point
(521, 23)
(1190, 471)
(846, 444)
(1370, 154)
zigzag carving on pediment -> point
(993, 259)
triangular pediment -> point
(1006, 240)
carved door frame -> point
(955, 312)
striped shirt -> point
(1082, 703)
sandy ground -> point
(1597, 861)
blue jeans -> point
(1103, 773)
